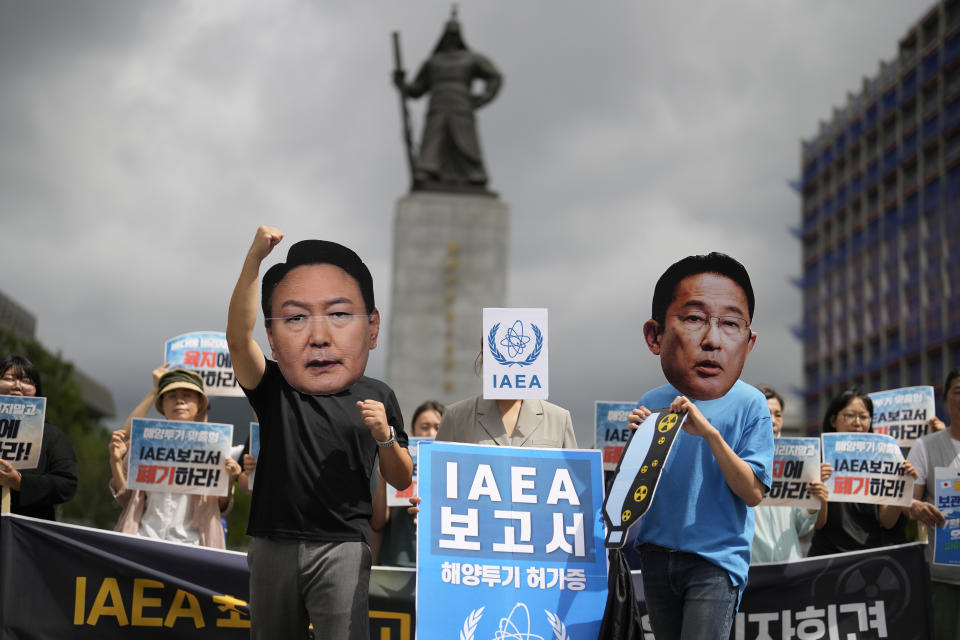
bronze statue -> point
(450, 157)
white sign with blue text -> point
(509, 543)
(179, 457)
(796, 463)
(612, 426)
(867, 467)
(902, 414)
(21, 430)
(946, 548)
(206, 353)
(515, 353)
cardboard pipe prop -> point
(638, 472)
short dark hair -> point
(953, 375)
(317, 252)
(24, 367)
(840, 402)
(770, 392)
(718, 263)
(429, 405)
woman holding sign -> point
(177, 517)
(35, 492)
(854, 526)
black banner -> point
(63, 581)
(59, 581)
(863, 595)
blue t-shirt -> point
(694, 509)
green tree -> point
(92, 506)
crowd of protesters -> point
(313, 399)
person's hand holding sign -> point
(637, 416)
(9, 477)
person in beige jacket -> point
(508, 423)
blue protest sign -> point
(21, 430)
(612, 428)
(796, 463)
(401, 497)
(179, 457)
(902, 414)
(509, 543)
(867, 467)
(946, 548)
(206, 353)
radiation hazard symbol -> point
(640, 494)
(667, 422)
(626, 515)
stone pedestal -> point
(449, 262)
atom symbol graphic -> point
(514, 340)
(510, 630)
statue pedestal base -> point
(449, 262)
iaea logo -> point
(516, 341)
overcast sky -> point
(141, 143)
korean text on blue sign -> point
(612, 422)
(21, 430)
(796, 463)
(509, 542)
(946, 548)
(902, 414)
(401, 497)
(206, 353)
(867, 467)
(179, 457)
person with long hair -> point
(854, 526)
(36, 492)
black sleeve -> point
(56, 483)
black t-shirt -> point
(853, 526)
(316, 457)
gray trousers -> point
(296, 582)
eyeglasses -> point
(856, 417)
(24, 381)
(298, 322)
(697, 322)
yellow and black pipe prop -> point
(638, 473)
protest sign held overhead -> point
(179, 457)
(796, 463)
(867, 467)
(515, 353)
(902, 414)
(401, 497)
(509, 539)
(612, 427)
(946, 546)
(638, 473)
(21, 430)
(206, 353)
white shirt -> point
(166, 516)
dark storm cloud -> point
(141, 145)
